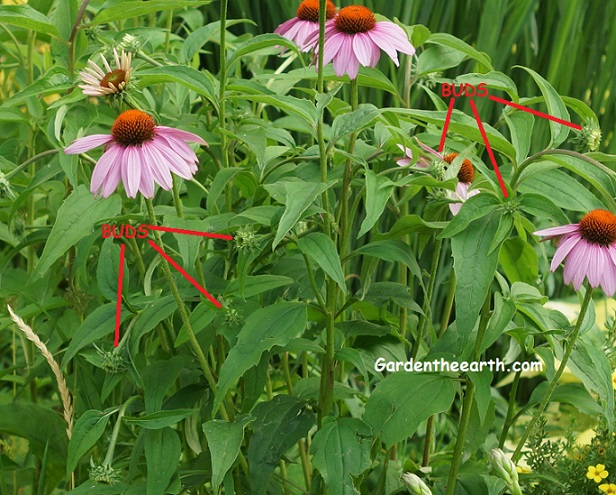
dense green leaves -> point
(26, 17)
(87, 431)
(322, 250)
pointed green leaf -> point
(322, 250)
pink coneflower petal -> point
(160, 168)
(564, 247)
(112, 180)
(302, 28)
(87, 143)
(558, 231)
(174, 161)
(103, 167)
(133, 168)
(363, 49)
(180, 134)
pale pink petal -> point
(609, 275)
(285, 26)
(159, 167)
(103, 166)
(176, 164)
(429, 150)
(344, 55)
(180, 147)
(382, 41)
(146, 184)
(404, 162)
(132, 167)
(564, 247)
(362, 46)
(579, 263)
(333, 45)
(595, 265)
(112, 179)
(558, 231)
(178, 133)
(396, 36)
(87, 143)
(352, 67)
(612, 251)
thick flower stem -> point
(320, 138)
(553, 384)
(183, 312)
(467, 403)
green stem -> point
(73, 35)
(176, 198)
(563, 364)
(23, 165)
(183, 312)
(222, 117)
(510, 409)
(428, 300)
(116, 430)
(150, 60)
(168, 33)
(467, 402)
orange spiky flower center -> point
(133, 127)
(355, 19)
(308, 10)
(466, 173)
(599, 227)
(115, 77)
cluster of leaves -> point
(300, 307)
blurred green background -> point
(572, 43)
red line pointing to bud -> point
(184, 274)
(447, 119)
(489, 148)
(116, 339)
(535, 112)
(191, 232)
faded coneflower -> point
(139, 153)
(466, 175)
(103, 81)
(305, 23)
(423, 161)
(354, 37)
(65, 394)
(589, 248)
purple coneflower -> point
(466, 175)
(354, 37)
(139, 153)
(105, 81)
(305, 23)
(424, 159)
(589, 248)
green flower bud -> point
(415, 484)
(505, 469)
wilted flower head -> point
(589, 250)
(140, 153)
(305, 23)
(466, 175)
(105, 81)
(415, 484)
(354, 37)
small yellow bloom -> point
(614, 379)
(523, 469)
(597, 473)
(608, 488)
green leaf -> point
(200, 318)
(260, 42)
(542, 207)
(100, 323)
(188, 77)
(160, 419)
(258, 285)
(299, 107)
(409, 224)
(445, 39)
(494, 80)
(199, 37)
(392, 250)
(291, 420)
(272, 326)
(354, 121)
(224, 440)
(503, 312)
(563, 190)
(474, 269)
(221, 179)
(128, 10)
(157, 379)
(107, 271)
(188, 245)
(473, 208)
(26, 17)
(519, 260)
(299, 196)
(322, 250)
(87, 430)
(483, 396)
(556, 108)
(341, 450)
(55, 80)
(76, 219)
(521, 128)
(380, 293)
(393, 409)
(378, 191)
(155, 312)
(590, 364)
(162, 454)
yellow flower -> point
(614, 379)
(523, 469)
(597, 473)
(608, 488)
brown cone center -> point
(599, 227)
(133, 127)
(308, 10)
(355, 19)
(466, 173)
(115, 77)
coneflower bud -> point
(589, 138)
(506, 470)
(415, 484)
